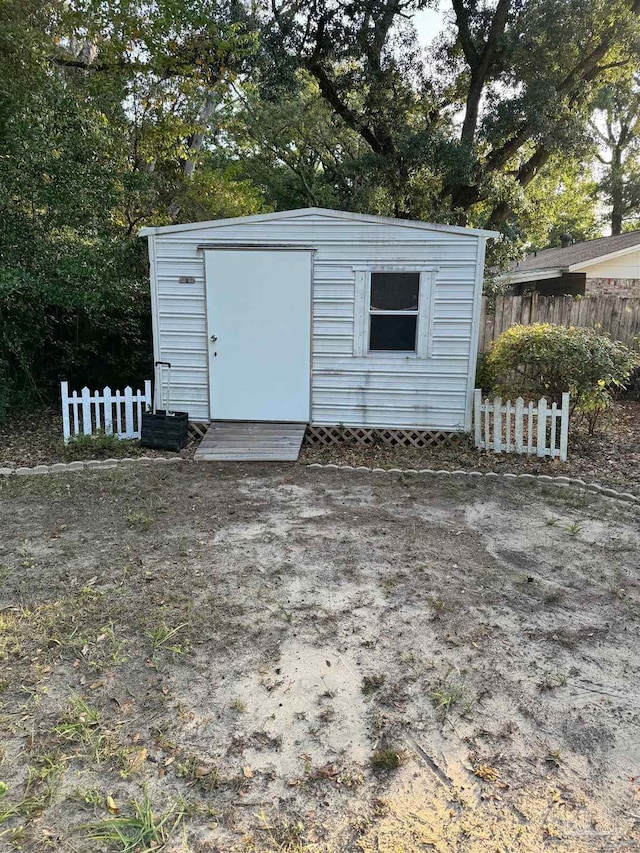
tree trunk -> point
(617, 190)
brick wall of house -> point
(613, 287)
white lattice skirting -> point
(328, 435)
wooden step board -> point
(255, 441)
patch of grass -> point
(554, 757)
(80, 724)
(438, 605)
(163, 639)
(43, 782)
(90, 797)
(238, 706)
(106, 649)
(98, 446)
(140, 520)
(573, 529)
(144, 830)
(386, 758)
(285, 835)
(446, 696)
(371, 683)
(196, 772)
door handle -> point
(214, 338)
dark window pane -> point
(389, 332)
(394, 291)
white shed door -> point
(259, 330)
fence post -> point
(86, 411)
(477, 415)
(564, 427)
(542, 427)
(64, 393)
(497, 425)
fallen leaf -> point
(111, 805)
(248, 772)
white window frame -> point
(424, 313)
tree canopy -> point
(116, 114)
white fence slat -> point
(148, 401)
(118, 412)
(128, 412)
(542, 427)
(108, 411)
(138, 402)
(564, 427)
(487, 434)
(497, 425)
(66, 429)
(76, 417)
(542, 421)
(97, 399)
(519, 423)
(86, 411)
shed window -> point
(393, 311)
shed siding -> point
(380, 390)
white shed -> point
(319, 317)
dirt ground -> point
(273, 658)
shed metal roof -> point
(318, 211)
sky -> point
(428, 23)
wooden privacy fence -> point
(617, 315)
(112, 412)
(532, 428)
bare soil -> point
(282, 659)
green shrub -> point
(543, 360)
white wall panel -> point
(375, 390)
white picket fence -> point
(532, 428)
(110, 412)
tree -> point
(101, 104)
(616, 126)
(523, 75)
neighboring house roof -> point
(322, 212)
(548, 263)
